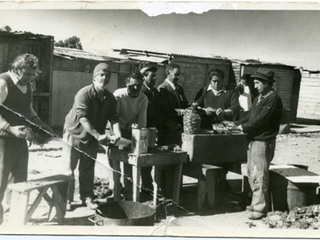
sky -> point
(283, 36)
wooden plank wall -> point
(11, 47)
(309, 100)
(194, 73)
(283, 86)
(65, 86)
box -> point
(139, 141)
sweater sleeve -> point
(81, 101)
(264, 117)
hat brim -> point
(152, 69)
(262, 78)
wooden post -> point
(116, 180)
(156, 183)
(177, 182)
(18, 208)
(136, 183)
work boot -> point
(90, 203)
(257, 215)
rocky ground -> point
(227, 218)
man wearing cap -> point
(173, 98)
(262, 126)
(84, 129)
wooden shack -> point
(13, 44)
(72, 70)
(287, 83)
(309, 100)
(194, 69)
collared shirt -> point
(4, 87)
(171, 84)
(261, 97)
(217, 92)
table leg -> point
(116, 180)
(156, 183)
(136, 173)
(177, 182)
(18, 208)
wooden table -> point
(155, 158)
(215, 148)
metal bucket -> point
(124, 213)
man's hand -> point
(19, 131)
(220, 111)
(106, 139)
(209, 111)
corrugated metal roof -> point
(258, 62)
(72, 53)
(158, 56)
(27, 35)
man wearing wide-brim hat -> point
(262, 126)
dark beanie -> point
(101, 66)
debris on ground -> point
(101, 188)
(301, 217)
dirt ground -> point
(227, 218)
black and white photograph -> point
(161, 118)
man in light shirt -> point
(132, 110)
(16, 98)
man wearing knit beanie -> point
(84, 130)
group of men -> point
(138, 105)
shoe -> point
(250, 208)
(91, 204)
(257, 215)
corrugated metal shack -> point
(72, 70)
(13, 44)
(309, 100)
(194, 69)
(287, 83)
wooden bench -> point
(208, 180)
(20, 214)
(286, 177)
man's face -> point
(150, 79)
(26, 75)
(216, 83)
(261, 86)
(101, 80)
(174, 75)
(134, 87)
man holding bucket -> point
(261, 125)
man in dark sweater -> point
(217, 102)
(16, 97)
(261, 125)
(84, 129)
